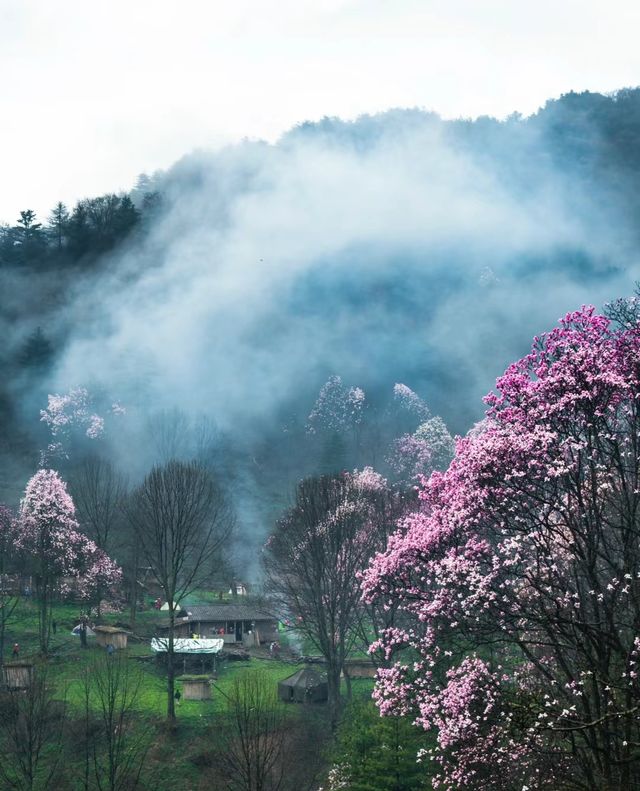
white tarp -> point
(186, 645)
(77, 629)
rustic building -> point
(233, 623)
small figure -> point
(276, 649)
(110, 649)
(16, 651)
(54, 626)
(177, 696)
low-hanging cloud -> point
(382, 250)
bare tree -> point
(174, 435)
(99, 492)
(8, 598)
(133, 564)
(168, 431)
(181, 516)
(252, 753)
(116, 743)
(312, 562)
(31, 737)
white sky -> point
(93, 93)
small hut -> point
(106, 635)
(196, 687)
(17, 675)
(304, 686)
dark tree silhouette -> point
(182, 517)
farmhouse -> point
(234, 623)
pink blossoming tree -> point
(519, 578)
(49, 537)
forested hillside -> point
(397, 249)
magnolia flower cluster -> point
(73, 411)
(524, 555)
(435, 434)
(410, 456)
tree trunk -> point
(133, 591)
(171, 703)
(3, 615)
(347, 681)
(44, 615)
(99, 600)
(333, 686)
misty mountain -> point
(398, 247)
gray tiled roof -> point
(227, 612)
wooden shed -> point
(106, 635)
(196, 687)
(360, 668)
(17, 675)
